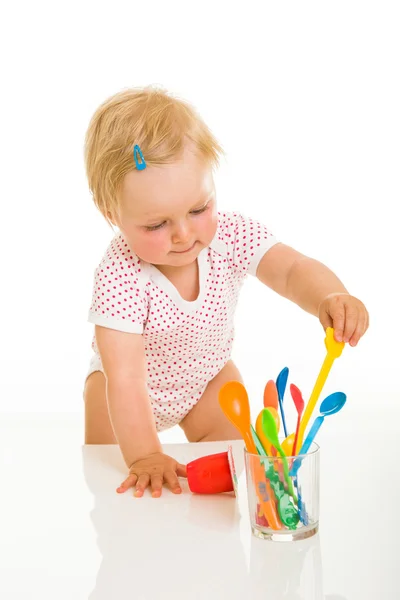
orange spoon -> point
(234, 402)
(264, 493)
(271, 395)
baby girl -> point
(166, 289)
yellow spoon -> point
(287, 444)
(333, 350)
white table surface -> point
(65, 534)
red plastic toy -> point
(210, 474)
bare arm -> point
(131, 416)
(303, 280)
(316, 289)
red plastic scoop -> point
(210, 474)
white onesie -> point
(186, 343)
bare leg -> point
(98, 429)
(206, 422)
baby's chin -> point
(181, 260)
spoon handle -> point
(311, 434)
(287, 476)
(296, 437)
(264, 493)
(282, 415)
(307, 444)
(288, 514)
(333, 350)
(257, 442)
(319, 384)
(249, 442)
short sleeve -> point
(119, 298)
(247, 241)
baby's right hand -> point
(154, 470)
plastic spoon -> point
(268, 510)
(258, 443)
(271, 434)
(234, 402)
(299, 404)
(264, 492)
(333, 350)
(287, 445)
(271, 450)
(271, 395)
(281, 382)
(331, 405)
(271, 401)
(260, 432)
(287, 512)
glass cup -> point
(283, 495)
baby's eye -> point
(199, 210)
(155, 227)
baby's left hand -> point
(347, 315)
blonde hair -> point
(150, 117)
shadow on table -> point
(176, 547)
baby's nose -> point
(181, 233)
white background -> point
(303, 96)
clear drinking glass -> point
(283, 502)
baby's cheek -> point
(209, 224)
(152, 246)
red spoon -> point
(299, 404)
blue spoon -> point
(281, 382)
(331, 405)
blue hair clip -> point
(139, 165)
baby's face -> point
(168, 213)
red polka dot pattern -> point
(186, 343)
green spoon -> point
(287, 512)
(271, 433)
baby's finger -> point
(338, 322)
(325, 320)
(142, 483)
(352, 319)
(156, 486)
(181, 470)
(360, 330)
(128, 483)
(171, 479)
